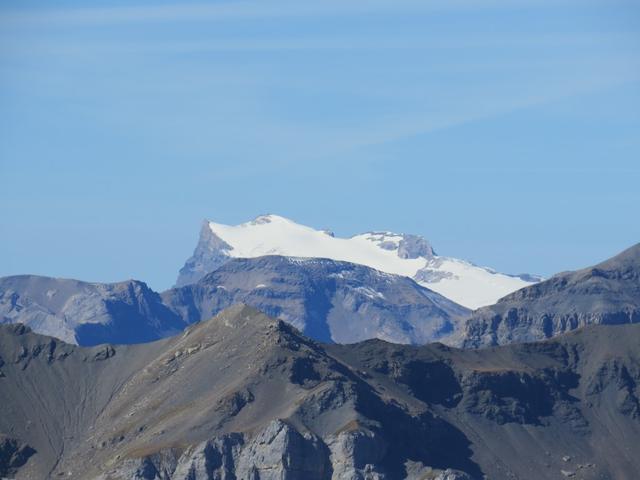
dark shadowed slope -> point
(245, 396)
(327, 300)
(87, 313)
(608, 293)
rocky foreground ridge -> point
(244, 396)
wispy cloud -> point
(334, 42)
(384, 130)
(253, 9)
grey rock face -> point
(328, 300)
(210, 253)
(87, 313)
(415, 246)
(277, 452)
(608, 293)
(214, 459)
(169, 410)
(356, 454)
(281, 452)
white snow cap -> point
(458, 280)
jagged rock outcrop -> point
(607, 293)
(280, 451)
(213, 459)
(245, 396)
(210, 253)
(277, 452)
(356, 454)
(327, 300)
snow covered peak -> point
(267, 218)
(401, 254)
(275, 235)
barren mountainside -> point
(607, 293)
(327, 300)
(245, 396)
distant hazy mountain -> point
(87, 313)
(244, 396)
(401, 254)
(327, 300)
(608, 293)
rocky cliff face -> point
(87, 313)
(328, 300)
(607, 293)
(210, 253)
(244, 396)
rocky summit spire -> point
(209, 254)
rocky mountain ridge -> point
(245, 396)
(607, 293)
(328, 300)
(87, 313)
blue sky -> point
(506, 132)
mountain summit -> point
(401, 254)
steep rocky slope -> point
(87, 313)
(247, 397)
(327, 300)
(607, 293)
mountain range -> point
(87, 313)
(245, 396)
(606, 293)
(318, 368)
(328, 300)
(409, 255)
